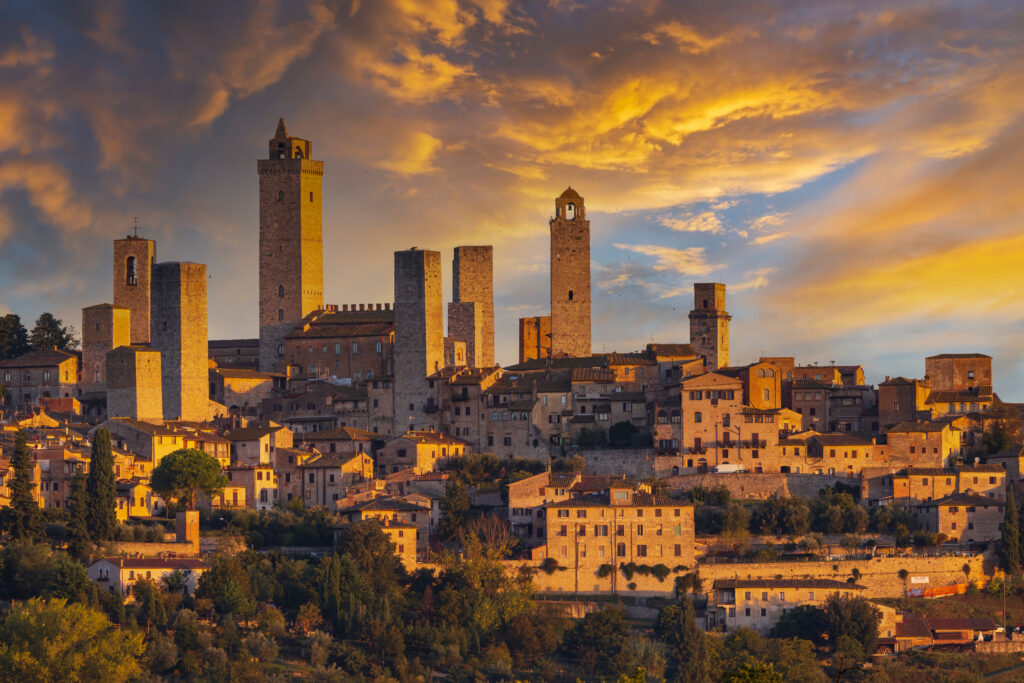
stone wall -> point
(632, 462)
(534, 338)
(465, 325)
(473, 281)
(179, 331)
(135, 383)
(879, 575)
(709, 324)
(759, 486)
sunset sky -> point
(852, 171)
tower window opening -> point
(280, 290)
(310, 196)
(280, 314)
(131, 271)
(570, 295)
(705, 303)
(280, 198)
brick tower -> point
(179, 332)
(709, 324)
(104, 328)
(570, 277)
(133, 272)
(473, 282)
(291, 242)
(419, 336)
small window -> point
(280, 314)
(310, 196)
(280, 195)
(280, 291)
(570, 295)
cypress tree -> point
(1009, 545)
(100, 489)
(22, 518)
(78, 522)
(687, 649)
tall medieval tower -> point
(473, 283)
(133, 273)
(291, 242)
(570, 277)
(419, 337)
(709, 325)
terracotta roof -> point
(157, 562)
(894, 381)
(37, 359)
(913, 626)
(340, 434)
(961, 624)
(570, 194)
(917, 427)
(233, 343)
(597, 482)
(250, 433)
(671, 349)
(786, 583)
(331, 460)
(241, 373)
(593, 375)
(148, 427)
(604, 500)
(320, 331)
(808, 383)
(630, 359)
(844, 440)
(430, 437)
(958, 397)
(385, 504)
(962, 499)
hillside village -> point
(757, 487)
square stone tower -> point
(570, 277)
(179, 333)
(291, 242)
(133, 270)
(709, 324)
(534, 338)
(104, 328)
(419, 336)
(473, 281)
(465, 326)
(135, 383)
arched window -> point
(131, 271)
(760, 373)
(280, 314)
(280, 195)
(280, 291)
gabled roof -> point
(37, 359)
(962, 499)
(967, 396)
(156, 562)
(250, 433)
(787, 583)
(593, 375)
(603, 499)
(430, 437)
(341, 434)
(142, 426)
(385, 504)
(918, 427)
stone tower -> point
(465, 327)
(135, 383)
(709, 324)
(291, 242)
(534, 338)
(419, 336)
(179, 333)
(473, 281)
(133, 271)
(104, 328)
(570, 277)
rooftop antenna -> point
(135, 225)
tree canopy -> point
(50, 332)
(13, 337)
(100, 488)
(21, 517)
(52, 640)
(185, 472)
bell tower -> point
(570, 277)
(291, 241)
(709, 324)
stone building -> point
(570, 277)
(236, 353)
(534, 338)
(958, 371)
(178, 331)
(615, 527)
(758, 604)
(104, 328)
(473, 282)
(39, 374)
(419, 337)
(762, 384)
(709, 324)
(901, 400)
(423, 451)
(291, 242)
(928, 444)
(134, 382)
(133, 271)
(354, 342)
(963, 517)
